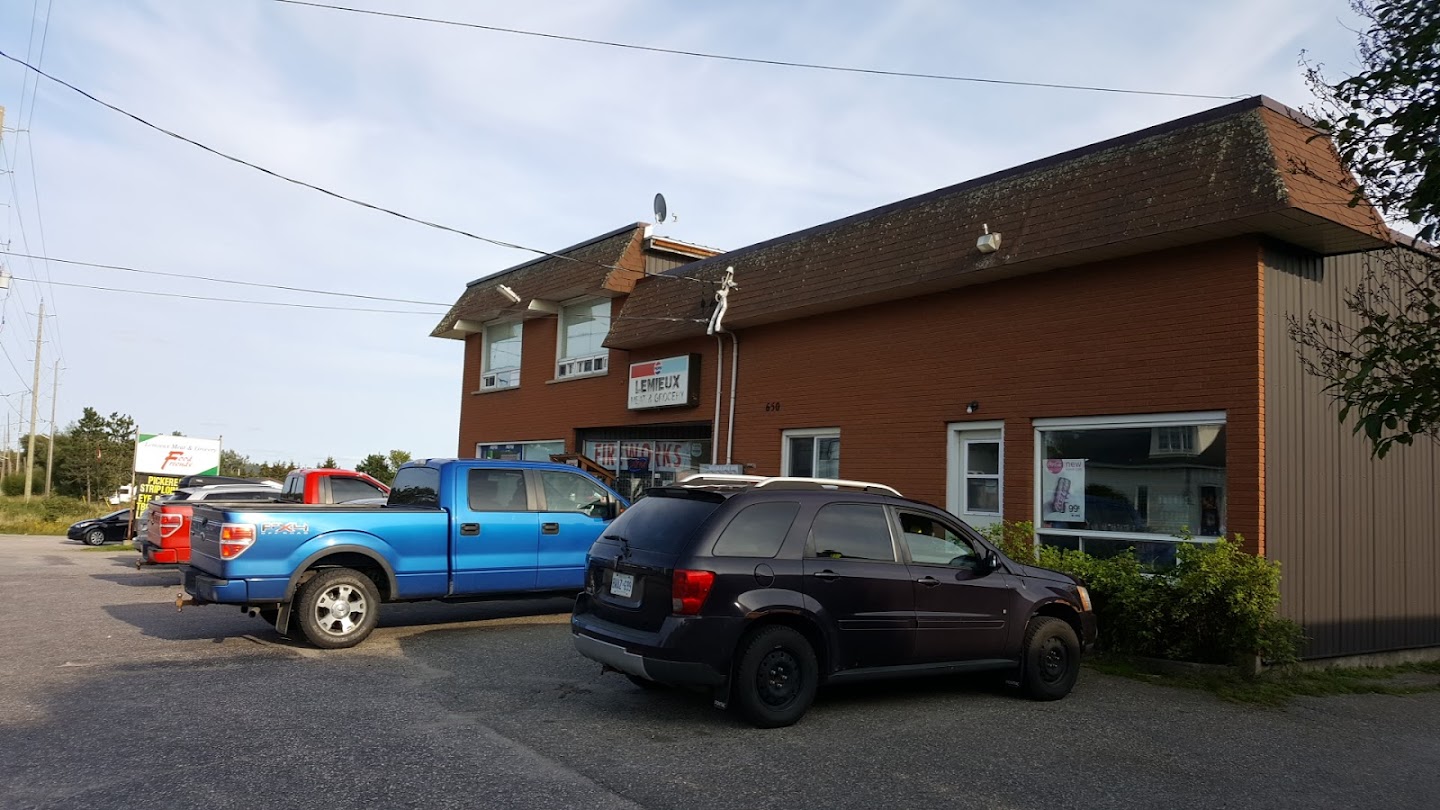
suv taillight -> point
(688, 590)
(235, 538)
(170, 523)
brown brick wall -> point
(1178, 330)
(539, 410)
(1171, 331)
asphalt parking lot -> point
(109, 698)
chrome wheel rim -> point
(95, 537)
(340, 609)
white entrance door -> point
(976, 474)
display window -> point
(1109, 484)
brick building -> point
(1116, 369)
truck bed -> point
(413, 540)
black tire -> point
(327, 606)
(645, 683)
(1051, 661)
(94, 537)
(776, 677)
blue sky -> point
(531, 141)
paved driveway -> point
(110, 699)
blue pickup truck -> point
(452, 529)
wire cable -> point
(239, 300)
(754, 61)
(226, 280)
(302, 183)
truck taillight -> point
(235, 538)
(170, 523)
(688, 590)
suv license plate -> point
(622, 584)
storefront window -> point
(641, 464)
(1111, 485)
(519, 451)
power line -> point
(226, 280)
(754, 61)
(235, 300)
(302, 183)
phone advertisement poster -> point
(1062, 490)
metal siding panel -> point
(1359, 535)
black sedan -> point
(107, 528)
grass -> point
(1277, 687)
(41, 515)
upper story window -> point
(1173, 440)
(583, 327)
(500, 364)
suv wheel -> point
(776, 678)
(1051, 660)
(337, 608)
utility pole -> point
(34, 404)
(54, 397)
(5, 457)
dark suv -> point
(762, 589)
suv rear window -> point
(663, 523)
(758, 531)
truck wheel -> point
(337, 608)
(95, 537)
(1050, 660)
(776, 678)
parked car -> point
(328, 485)
(109, 528)
(163, 534)
(764, 589)
(453, 530)
(124, 494)
(170, 542)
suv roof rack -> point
(719, 480)
(786, 482)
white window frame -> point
(499, 379)
(571, 367)
(1154, 420)
(560, 442)
(801, 433)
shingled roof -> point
(1254, 166)
(610, 263)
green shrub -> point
(1014, 538)
(1218, 604)
(41, 515)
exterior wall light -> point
(973, 406)
(988, 242)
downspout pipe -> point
(734, 374)
(716, 327)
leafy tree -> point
(376, 466)
(383, 467)
(329, 464)
(95, 454)
(1385, 122)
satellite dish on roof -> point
(660, 210)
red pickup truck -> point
(166, 538)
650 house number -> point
(771, 407)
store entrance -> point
(650, 456)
